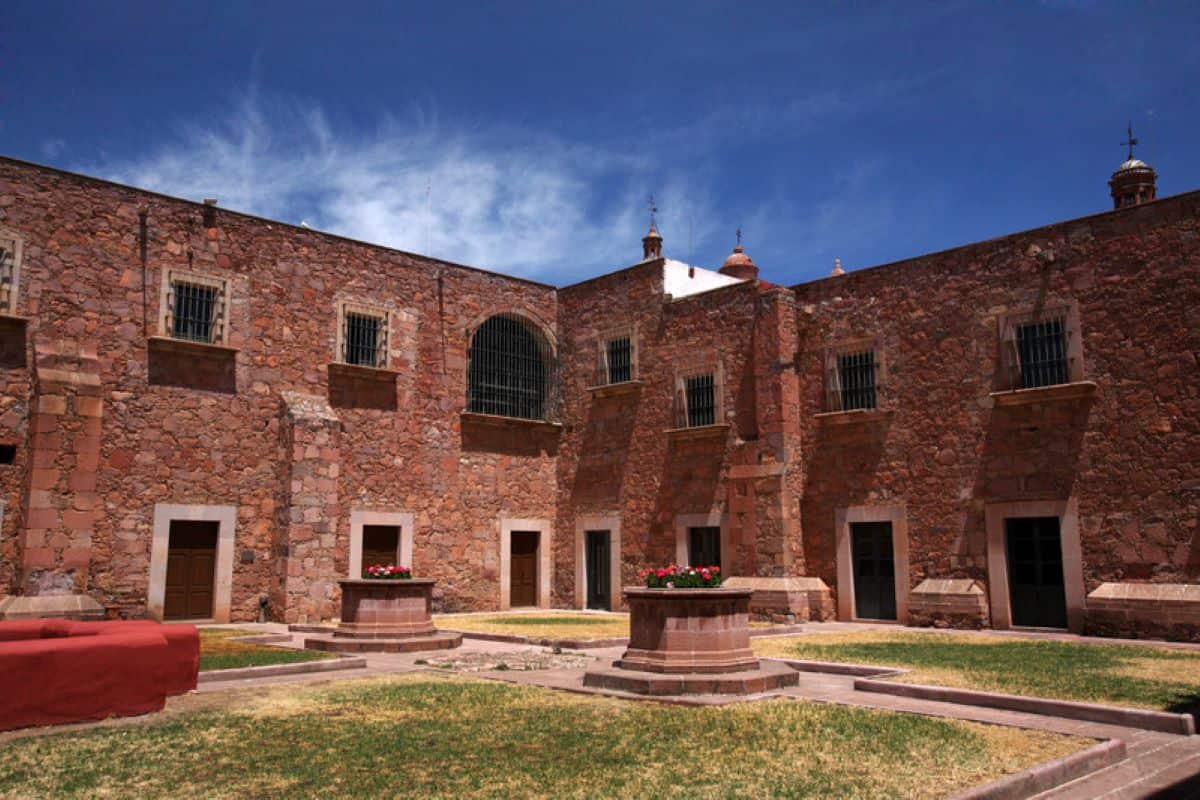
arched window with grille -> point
(510, 370)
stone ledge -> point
(615, 389)
(362, 373)
(1052, 774)
(948, 603)
(66, 606)
(442, 640)
(1162, 721)
(518, 423)
(800, 598)
(851, 417)
(1043, 394)
(186, 347)
(698, 432)
(273, 670)
(1145, 610)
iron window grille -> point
(194, 308)
(618, 360)
(852, 376)
(509, 373)
(8, 274)
(697, 403)
(364, 338)
(1041, 350)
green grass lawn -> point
(550, 625)
(219, 650)
(1148, 677)
(442, 736)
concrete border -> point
(274, 670)
(1052, 774)
(1162, 721)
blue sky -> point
(526, 137)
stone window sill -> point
(359, 372)
(851, 417)
(186, 347)
(12, 319)
(1043, 394)
(698, 432)
(494, 420)
(613, 389)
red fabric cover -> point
(74, 684)
(72, 679)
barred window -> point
(8, 275)
(195, 308)
(856, 379)
(364, 337)
(509, 370)
(619, 357)
(696, 400)
(1042, 353)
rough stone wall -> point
(616, 455)
(941, 446)
(205, 429)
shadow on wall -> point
(604, 451)
(13, 353)
(516, 438)
(191, 366)
(842, 470)
(691, 475)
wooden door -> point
(380, 545)
(704, 547)
(523, 569)
(597, 564)
(874, 570)
(191, 570)
(1035, 572)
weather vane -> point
(739, 236)
(653, 210)
(1130, 141)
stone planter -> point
(688, 630)
(385, 616)
(690, 641)
(386, 609)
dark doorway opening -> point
(191, 570)
(380, 546)
(874, 570)
(523, 569)
(704, 547)
(1035, 572)
(597, 554)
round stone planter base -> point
(675, 662)
(440, 640)
(768, 677)
(361, 630)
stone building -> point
(207, 415)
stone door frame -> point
(1067, 512)
(544, 562)
(598, 522)
(164, 515)
(711, 519)
(897, 515)
(362, 517)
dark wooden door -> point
(191, 569)
(1035, 572)
(523, 569)
(597, 564)
(874, 570)
(704, 547)
(380, 545)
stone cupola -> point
(1134, 181)
(739, 265)
(652, 243)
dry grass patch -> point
(1143, 676)
(219, 649)
(547, 625)
(442, 736)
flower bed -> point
(675, 577)
(388, 572)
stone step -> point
(1153, 767)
